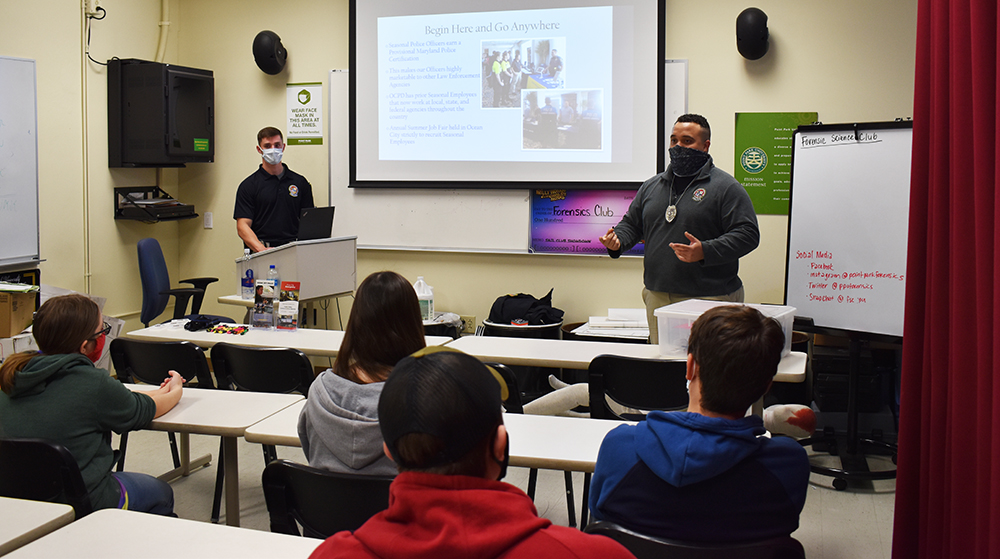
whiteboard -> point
(847, 226)
(488, 220)
(18, 163)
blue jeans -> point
(146, 493)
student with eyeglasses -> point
(57, 394)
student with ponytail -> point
(58, 394)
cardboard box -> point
(17, 344)
(674, 323)
(16, 310)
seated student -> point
(440, 417)
(708, 474)
(58, 395)
(338, 426)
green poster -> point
(764, 157)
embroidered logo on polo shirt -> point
(293, 191)
(698, 195)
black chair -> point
(255, 369)
(156, 290)
(322, 502)
(40, 470)
(647, 547)
(149, 362)
(513, 405)
(642, 384)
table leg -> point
(185, 447)
(232, 481)
(187, 465)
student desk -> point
(577, 354)
(22, 521)
(320, 343)
(226, 413)
(536, 441)
(120, 534)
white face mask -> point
(272, 156)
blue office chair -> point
(156, 290)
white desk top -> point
(325, 343)
(218, 412)
(536, 441)
(280, 429)
(556, 443)
(577, 354)
(113, 533)
(235, 300)
(22, 522)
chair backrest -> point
(513, 402)
(277, 369)
(645, 384)
(323, 502)
(155, 280)
(40, 470)
(148, 362)
(647, 547)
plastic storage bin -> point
(674, 323)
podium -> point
(324, 267)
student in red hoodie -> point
(439, 413)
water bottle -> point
(247, 284)
(274, 280)
(425, 295)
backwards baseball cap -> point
(442, 392)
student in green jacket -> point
(59, 395)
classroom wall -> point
(850, 61)
(60, 159)
(84, 248)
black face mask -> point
(686, 162)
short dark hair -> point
(267, 132)
(439, 411)
(737, 350)
(384, 327)
(700, 121)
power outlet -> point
(468, 324)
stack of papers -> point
(17, 287)
(620, 323)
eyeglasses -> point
(102, 332)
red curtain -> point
(948, 486)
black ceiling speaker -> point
(751, 33)
(269, 53)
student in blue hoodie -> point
(708, 474)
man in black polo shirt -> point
(269, 201)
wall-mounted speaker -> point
(751, 33)
(269, 53)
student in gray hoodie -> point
(338, 426)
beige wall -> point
(849, 60)
(84, 248)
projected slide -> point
(478, 94)
(495, 86)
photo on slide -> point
(563, 119)
(512, 65)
